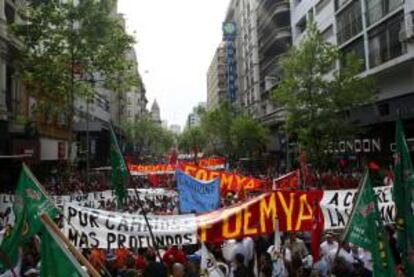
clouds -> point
(176, 42)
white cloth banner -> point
(93, 199)
(337, 206)
(111, 230)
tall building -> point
(93, 118)
(243, 14)
(216, 79)
(193, 119)
(263, 36)
(381, 34)
(155, 112)
(274, 39)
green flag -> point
(366, 230)
(119, 171)
(56, 260)
(31, 195)
(12, 240)
(403, 195)
(30, 203)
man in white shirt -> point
(346, 253)
(248, 244)
(328, 245)
(240, 248)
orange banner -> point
(229, 181)
(151, 169)
(212, 162)
(136, 169)
(294, 210)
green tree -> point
(248, 137)
(216, 127)
(66, 46)
(232, 134)
(317, 97)
(148, 138)
(190, 139)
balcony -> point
(268, 13)
(277, 34)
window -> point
(10, 96)
(340, 3)
(384, 41)
(321, 4)
(301, 25)
(356, 48)
(10, 13)
(327, 33)
(349, 22)
(377, 9)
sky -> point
(176, 41)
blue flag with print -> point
(197, 196)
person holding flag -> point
(403, 195)
(365, 229)
(34, 212)
(119, 172)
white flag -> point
(209, 267)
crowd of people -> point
(245, 257)
(259, 256)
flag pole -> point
(43, 190)
(144, 213)
(55, 229)
(360, 187)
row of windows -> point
(383, 42)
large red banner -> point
(294, 210)
(229, 181)
(136, 169)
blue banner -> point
(197, 196)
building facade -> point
(381, 34)
(155, 112)
(216, 79)
(194, 119)
(264, 35)
(243, 14)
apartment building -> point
(217, 79)
(381, 34)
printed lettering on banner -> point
(337, 206)
(111, 230)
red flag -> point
(373, 166)
(317, 231)
(154, 180)
(173, 157)
(287, 181)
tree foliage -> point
(68, 46)
(148, 138)
(190, 139)
(317, 97)
(232, 134)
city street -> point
(220, 138)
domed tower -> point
(155, 112)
